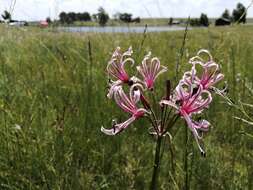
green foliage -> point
(226, 15)
(239, 14)
(55, 91)
(125, 17)
(6, 15)
(203, 20)
(72, 17)
(48, 19)
(102, 16)
(170, 21)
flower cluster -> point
(191, 96)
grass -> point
(55, 90)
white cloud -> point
(40, 9)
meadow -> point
(53, 103)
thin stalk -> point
(172, 157)
(186, 182)
(154, 181)
(89, 83)
(156, 107)
(233, 111)
(181, 53)
(143, 39)
(153, 124)
(192, 164)
(156, 124)
(171, 123)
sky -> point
(40, 9)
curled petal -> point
(150, 69)
(190, 77)
(205, 52)
(196, 60)
(202, 103)
(195, 94)
(169, 103)
(217, 78)
(127, 60)
(202, 125)
(123, 101)
(182, 93)
(192, 126)
(118, 127)
(115, 66)
(113, 88)
(128, 104)
(116, 53)
(129, 52)
(163, 69)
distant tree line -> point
(101, 17)
(238, 16)
(202, 21)
(71, 17)
(68, 18)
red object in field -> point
(43, 24)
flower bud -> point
(144, 102)
(168, 90)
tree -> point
(170, 21)
(63, 17)
(125, 17)
(48, 19)
(102, 16)
(203, 21)
(6, 16)
(239, 14)
(85, 16)
(72, 17)
(226, 14)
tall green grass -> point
(53, 85)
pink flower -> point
(150, 70)
(188, 100)
(210, 75)
(115, 68)
(128, 104)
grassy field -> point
(53, 87)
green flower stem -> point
(154, 181)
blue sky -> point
(40, 9)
